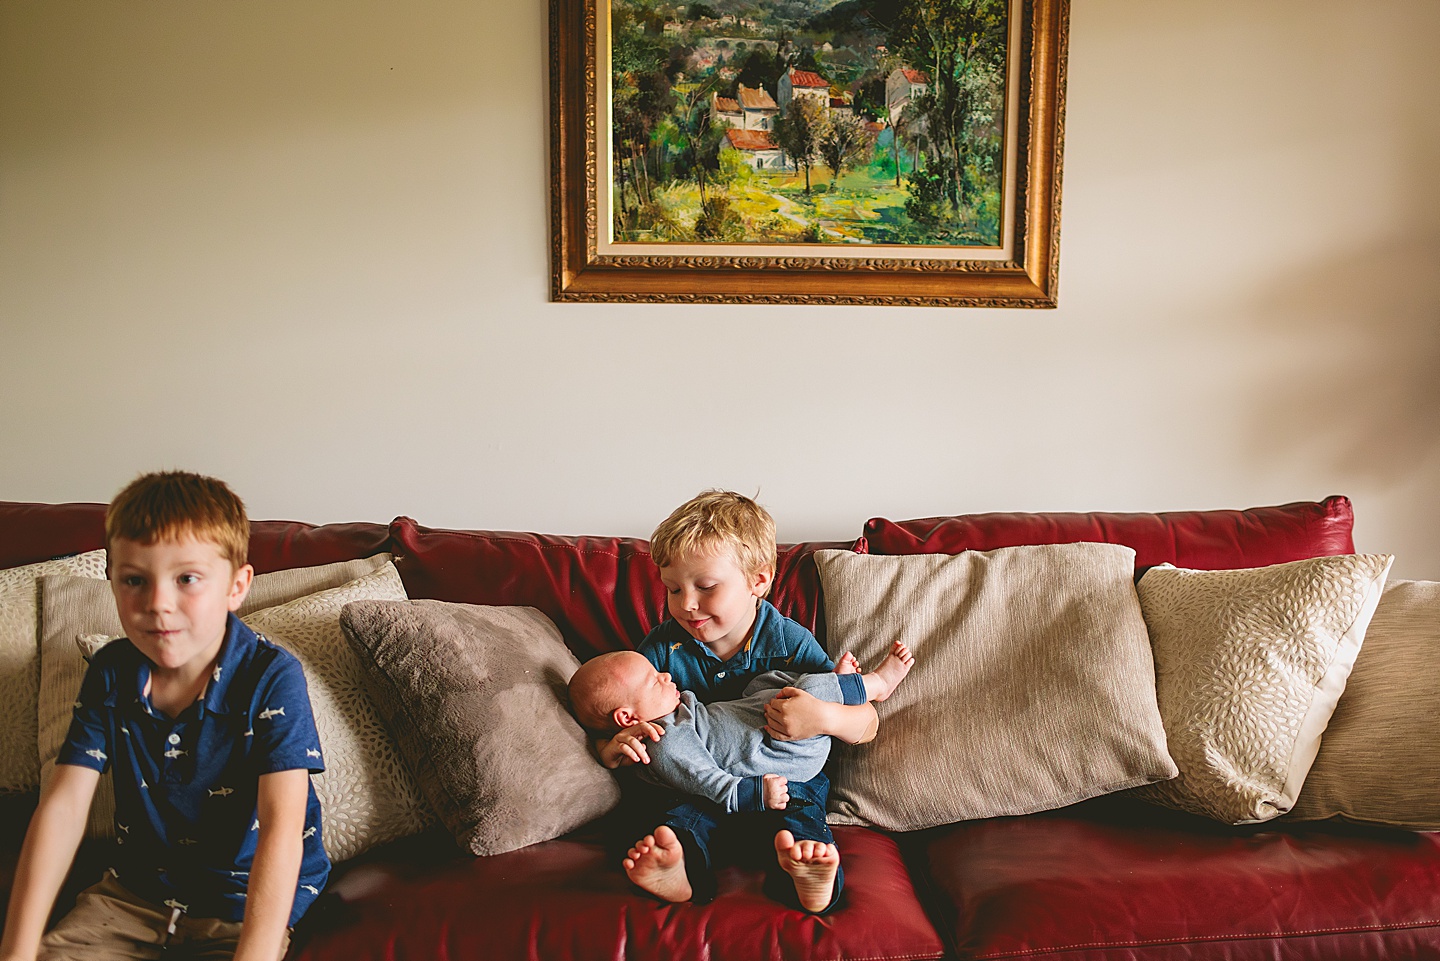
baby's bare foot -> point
(657, 864)
(881, 683)
(812, 865)
(846, 664)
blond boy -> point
(717, 555)
(207, 729)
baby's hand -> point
(776, 792)
(628, 747)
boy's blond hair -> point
(168, 505)
(714, 520)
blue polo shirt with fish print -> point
(186, 788)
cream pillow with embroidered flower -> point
(367, 795)
(20, 663)
(1249, 666)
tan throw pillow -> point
(367, 797)
(1249, 664)
(476, 699)
(78, 615)
(1379, 761)
(20, 663)
(1033, 686)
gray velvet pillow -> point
(475, 698)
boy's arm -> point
(50, 844)
(793, 715)
(270, 895)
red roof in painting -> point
(804, 78)
(751, 140)
(726, 105)
(915, 76)
(755, 98)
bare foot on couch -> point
(846, 664)
(881, 683)
(812, 865)
(657, 864)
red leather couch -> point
(1109, 878)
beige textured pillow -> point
(367, 797)
(20, 663)
(1249, 665)
(1033, 686)
(78, 615)
(476, 699)
(1379, 761)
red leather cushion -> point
(281, 545)
(796, 591)
(38, 532)
(1149, 885)
(1204, 540)
(604, 593)
(565, 900)
(30, 533)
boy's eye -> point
(189, 578)
(132, 580)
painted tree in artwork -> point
(960, 44)
(843, 143)
(641, 98)
(799, 133)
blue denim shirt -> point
(186, 788)
(776, 644)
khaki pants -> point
(109, 923)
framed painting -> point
(807, 151)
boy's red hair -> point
(167, 505)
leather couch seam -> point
(1087, 946)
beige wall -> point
(303, 245)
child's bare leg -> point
(846, 664)
(656, 864)
(881, 683)
(812, 865)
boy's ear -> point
(240, 586)
(760, 581)
(623, 717)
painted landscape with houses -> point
(808, 121)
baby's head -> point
(716, 521)
(618, 689)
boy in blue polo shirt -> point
(208, 730)
(717, 556)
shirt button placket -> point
(173, 755)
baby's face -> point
(652, 695)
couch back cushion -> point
(604, 593)
(30, 533)
(1200, 540)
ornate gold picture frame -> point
(699, 151)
